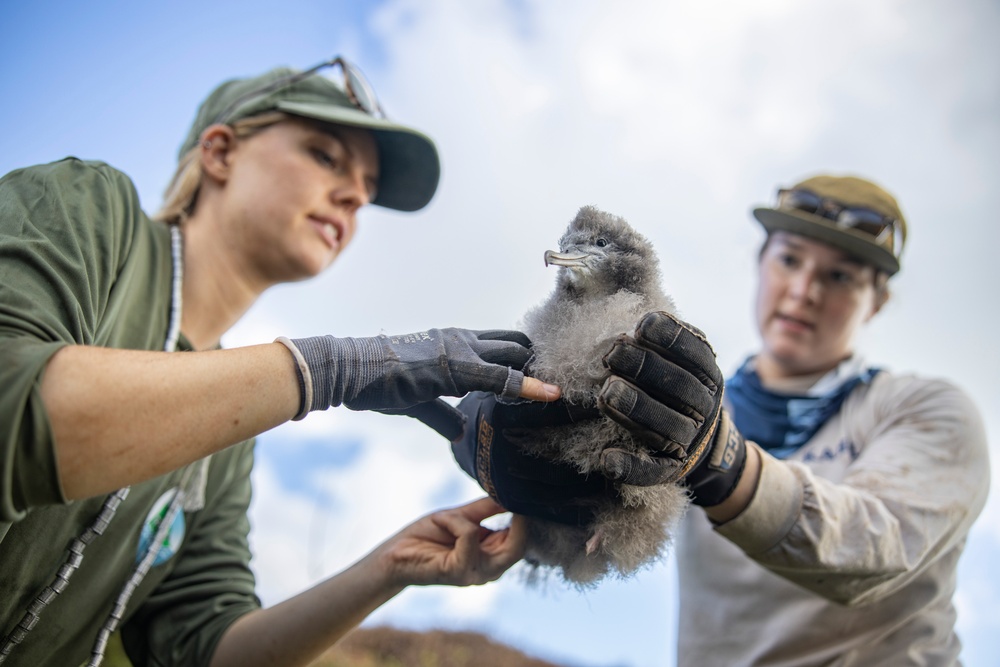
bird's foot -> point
(595, 541)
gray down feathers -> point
(608, 279)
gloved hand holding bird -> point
(606, 472)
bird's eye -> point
(600, 243)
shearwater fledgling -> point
(608, 279)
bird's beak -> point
(571, 260)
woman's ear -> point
(217, 143)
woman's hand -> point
(446, 547)
(451, 547)
(666, 388)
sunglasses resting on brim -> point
(357, 87)
(859, 218)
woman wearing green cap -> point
(124, 474)
(835, 496)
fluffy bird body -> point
(608, 279)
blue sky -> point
(680, 116)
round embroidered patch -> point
(174, 537)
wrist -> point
(303, 376)
(333, 370)
(384, 570)
(717, 475)
(465, 447)
(742, 494)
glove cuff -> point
(717, 474)
(303, 375)
(333, 370)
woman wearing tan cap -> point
(834, 497)
(844, 534)
(124, 468)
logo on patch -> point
(484, 458)
(172, 541)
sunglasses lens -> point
(361, 90)
(802, 200)
(864, 220)
(856, 217)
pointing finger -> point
(537, 390)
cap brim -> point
(409, 168)
(853, 242)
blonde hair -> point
(181, 194)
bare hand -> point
(446, 547)
(451, 547)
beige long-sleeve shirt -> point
(847, 553)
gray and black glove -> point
(397, 372)
(666, 388)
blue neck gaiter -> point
(781, 423)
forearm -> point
(122, 416)
(796, 526)
(848, 544)
(298, 630)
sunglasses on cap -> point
(359, 90)
(882, 227)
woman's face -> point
(293, 195)
(811, 301)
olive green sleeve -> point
(64, 232)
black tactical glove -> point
(396, 372)
(488, 451)
(667, 390)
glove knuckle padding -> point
(657, 425)
(619, 398)
(682, 344)
(661, 378)
(628, 468)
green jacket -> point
(80, 263)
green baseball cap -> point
(847, 212)
(409, 168)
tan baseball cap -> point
(848, 212)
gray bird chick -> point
(608, 279)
